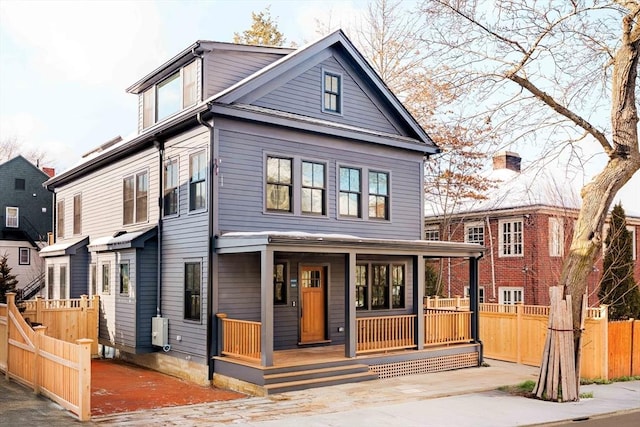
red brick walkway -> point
(117, 387)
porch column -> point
(350, 306)
(266, 311)
(473, 298)
(418, 298)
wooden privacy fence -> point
(240, 338)
(385, 333)
(67, 319)
(57, 369)
(624, 348)
(446, 327)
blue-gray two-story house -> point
(263, 229)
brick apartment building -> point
(526, 225)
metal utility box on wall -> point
(160, 331)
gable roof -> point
(22, 159)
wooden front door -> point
(312, 308)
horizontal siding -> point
(303, 95)
(239, 286)
(79, 277)
(241, 191)
(225, 68)
(146, 292)
(125, 305)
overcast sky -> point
(64, 66)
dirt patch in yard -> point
(117, 386)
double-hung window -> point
(60, 218)
(511, 238)
(379, 287)
(397, 286)
(378, 195)
(332, 92)
(279, 189)
(198, 181)
(350, 192)
(24, 256)
(11, 217)
(192, 280)
(77, 214)
(556, 237)
(170, 206)
(313, 188)
(135, 193)
(106, 278)
(474, 233)
(125, 288)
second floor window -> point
(60, 218)
(350, 192)
(11, 217)
(77, 214)
(511, 238)
(432, 233)
(135, 193)
(313, 188)
(279, 184)
(556, 237)
(171, 187)
(197, 181)
(474, 233)
(378, 195)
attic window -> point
(332, 92)
(171, 95)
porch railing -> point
(446, 327)
(455, 303)
(240, 338)
(385, 333)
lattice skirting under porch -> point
(424, 366)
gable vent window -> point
(19, 184)
(332, 93)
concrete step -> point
(319, 382)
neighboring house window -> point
(280, 283)
(378, 195)
(50, 281)
(631, 229)
(19, 184)
(474, 233)
(189, 84)
(361, 287)
(170, 187)
(77, 214)
(556, 237)
(197, 181)
(397, 286)
(379, 287)
(511, 295)
(124, 279)
(313, 188)
(135, 193)
(350, 192)
(169, 100)
(332, 88)
(510, 232)
(93, 279)
(106, 289)
(24, 256)
(480, 293)
(192, 279)
(148, 107)
(63, 282)
(279, 184)
(60, 213)
(432, 232)
(11, 217)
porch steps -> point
(319, 377)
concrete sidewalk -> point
(465, 397)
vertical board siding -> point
(224, 68)
(242, 191)
(303, 95)
(184, 239)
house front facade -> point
(270, 207)
(526, 226)
(25, 221)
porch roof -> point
(67, 247)
(295, 241)
(134, 239)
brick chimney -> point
(49, 171)
(507, 160)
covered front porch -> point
(383, 328)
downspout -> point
(160, 146)
(210, 316)
(493, 264)
(54, 222)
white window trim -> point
(16, 217)
(26, 251)
(481, 293)
(556, 237)
(475, 224)
(431, 228)
(129, 292)
(501, 253)
(340, 111)
(67, 283)
(632, 229)
(512, 290)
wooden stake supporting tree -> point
(559, 377)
